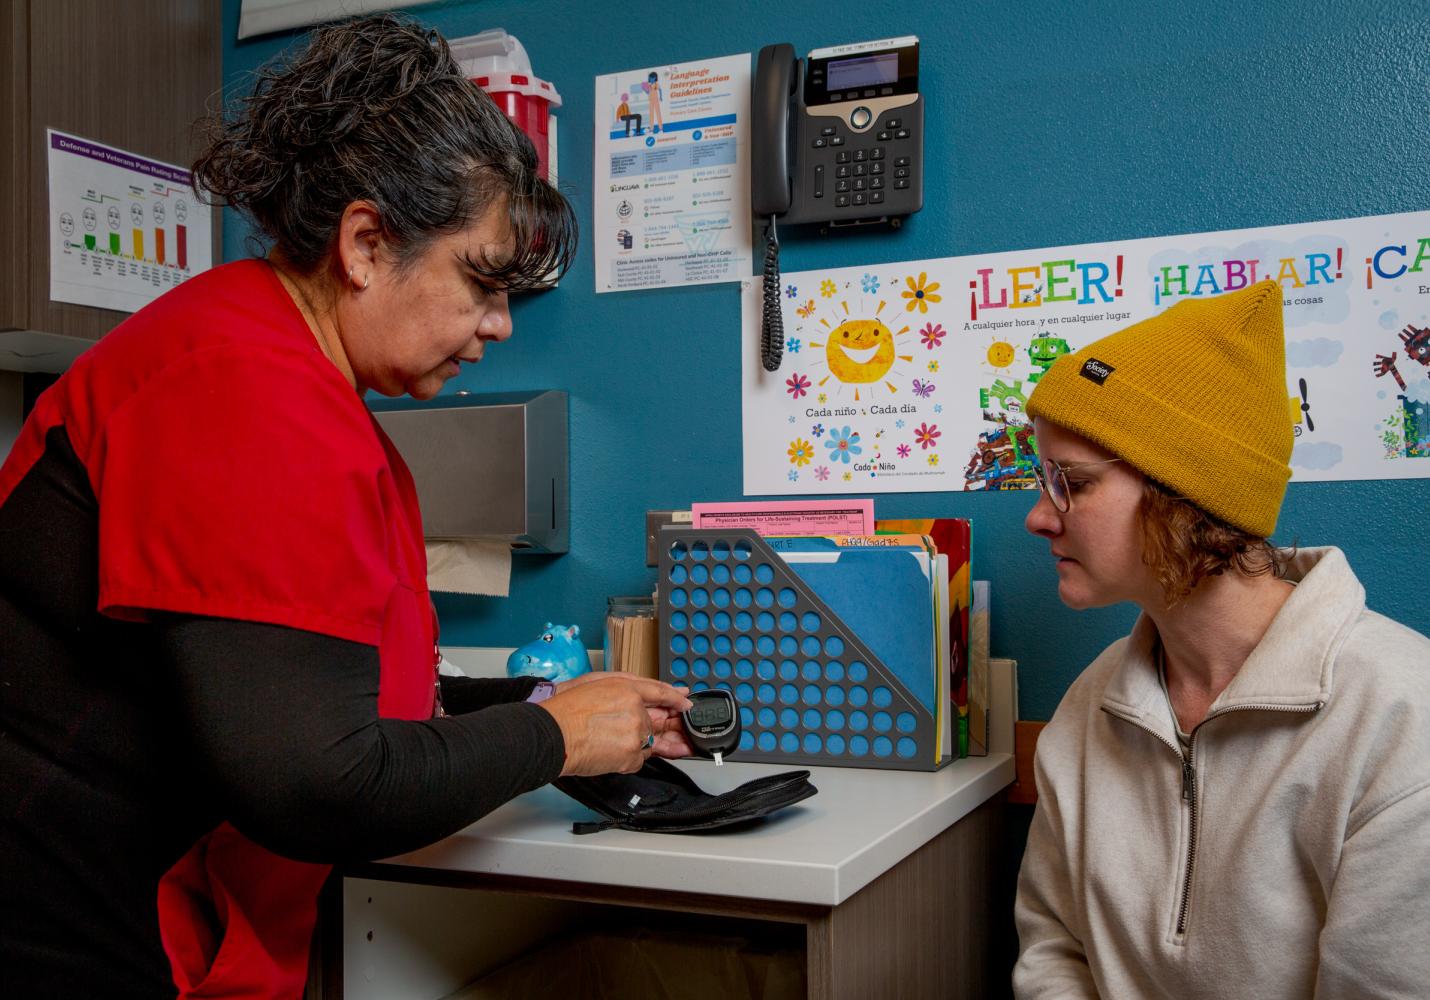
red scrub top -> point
(234, 474)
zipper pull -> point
(1189, 780)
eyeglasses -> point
(1053, 478)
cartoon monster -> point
(1417, 343)
(1043, 351)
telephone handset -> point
(837, 139)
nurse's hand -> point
(611, 722)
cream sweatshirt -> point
(1287, 854)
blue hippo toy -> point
(556, 655)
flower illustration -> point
(927, 435)
(903, 451)
(821, 473)
(933, 366)
(923, 389)
(791, 418)
(794, 476)
(871, 284)
(848, 476)
(794, 345)
(806, 310)
(920, 293)
(933, 459)
(801, 452)
(899, 424)
(797, 385)
(932, 335)
(938, 407)
(817, 431)
(823, 397)
(791, 291)
(842, 444)
(827, 288)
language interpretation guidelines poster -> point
(672, 175)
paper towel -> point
(469, 566)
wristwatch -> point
(544, 689)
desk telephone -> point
(840, 143)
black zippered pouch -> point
(661, 798)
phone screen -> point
(863, 71)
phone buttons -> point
(860, 170)
(877, 154)
(838, 140)
(875, 183)
(901, 184)
(841, 186)
(901, 161)
(902, 133)
(819, 181)
(841, 171)
(820, 143)
(841, 201)
(827, 130)
(876, 197)
(860, 155)
(860, 117)
(842, 156)
(877, 168)
(860, 199)
(901, 171)
(885, 136)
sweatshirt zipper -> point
(1189, 785)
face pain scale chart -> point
(124, 228)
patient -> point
(1234, 799)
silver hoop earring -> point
(365, 281)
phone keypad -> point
(857, 163)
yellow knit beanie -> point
(1194, 397)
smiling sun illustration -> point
(860, 352)
(1001, 354)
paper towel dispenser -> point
(487, 466)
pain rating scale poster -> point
(908, 377)
(124, 229)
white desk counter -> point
(823, 850)
(890, 874)
(889, 878)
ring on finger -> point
(649, 740)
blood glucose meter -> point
(712, 723)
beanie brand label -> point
(1096, 371)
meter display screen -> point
(863, 71)
(712, 713)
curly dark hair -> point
(1183, 544)
(376, 108)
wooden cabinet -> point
(136, 75)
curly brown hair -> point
(1183, 544)
(376, 108)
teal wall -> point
(1048, 124)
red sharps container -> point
(498, 63)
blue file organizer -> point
(734, 615)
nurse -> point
(1232, 800)
(218, 673)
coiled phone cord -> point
(772, 328)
